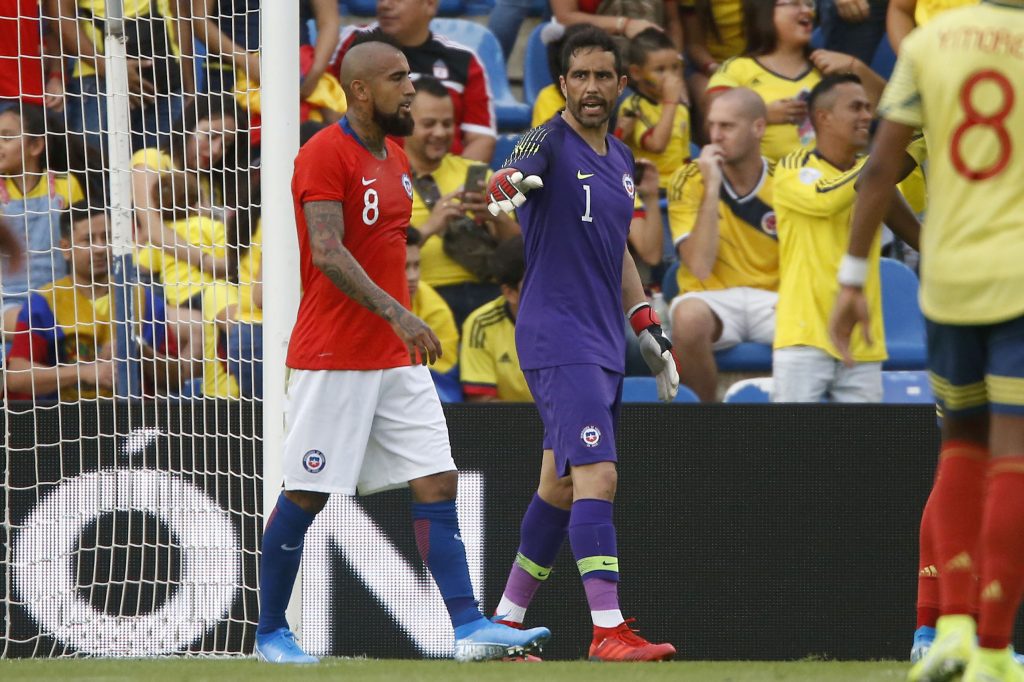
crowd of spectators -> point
(194, 108)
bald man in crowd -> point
(723, 227)
(363, 415)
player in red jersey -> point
(361, 417)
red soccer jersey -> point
(21, 49)
(333, 331)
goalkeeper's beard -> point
(399, 123)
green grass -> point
(362, 670)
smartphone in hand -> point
(476, 178)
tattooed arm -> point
(326, 224)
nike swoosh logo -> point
(291, 549)
(609, 563)
(458, 537)
(543, 574)
(580, 175)
(368, 182)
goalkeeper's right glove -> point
(507, 190)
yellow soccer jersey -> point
(182, 280)
(549, 102)
(65, 186)
(218, 382)
(728, 16)
(132, 9)
(221, 294)
(432, 309)
(746, 72)
(926, 10)
(490, 363)
(645, 114)
(960, 79)
(748, 248)
(814, 203)
(437, 268)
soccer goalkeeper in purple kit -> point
(579, 280)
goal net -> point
(130, 467)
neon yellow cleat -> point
(949, 654)
(990, 665)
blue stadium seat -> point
(449, 388)
(669, 284)
(645, 390)
(512, 114)
(745, 357)
(758, 390)
(478, 8)
(885, 59)
(503, 148)
(536, 75)
(368, 8)
(904, 323)
(906, 387)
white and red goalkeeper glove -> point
(656, 350)
(507, 190)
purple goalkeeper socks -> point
(541, 534)
(592, 536)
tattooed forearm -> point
(326, 224)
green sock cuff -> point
(536, 570)
(598, 563)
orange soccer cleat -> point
(622, 643)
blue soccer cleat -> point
(280, 646)
(923, 638)
(483, 640)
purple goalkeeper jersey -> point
(574, 230)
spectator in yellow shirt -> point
(654, 121)
(490, 364)
(440, 199)
(428, 305)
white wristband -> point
(853, 271)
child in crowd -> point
(654, 121)
(34, 191)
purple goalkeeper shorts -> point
(579, 405)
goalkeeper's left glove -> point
(656, 349)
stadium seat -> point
(884, 59)
(536, 75)
(758, 390)
(669, 283)
(645, 390)
(904, 323)
(449, 389)
(745, 357)
(503, 149)
(906, 387)
(478, 8)
(512, 115)
(368, 8)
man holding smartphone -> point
(448, 193)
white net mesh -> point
(132, 327)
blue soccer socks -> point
(541, 536)
(279, 564)
(436, 525)
(592, 536)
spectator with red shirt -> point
(23, 62)
(407, 24)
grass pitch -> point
(363, 670)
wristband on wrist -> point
(853, 271)
(641, 316)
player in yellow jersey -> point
(904, 15)
(723, 226)
(960, 78)
(656, 115)
(814, 195)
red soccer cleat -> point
(622, 643)
(526, 658)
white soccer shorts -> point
(363, 431)
(747, 314)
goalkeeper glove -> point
(656, 350)
(507, 190)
